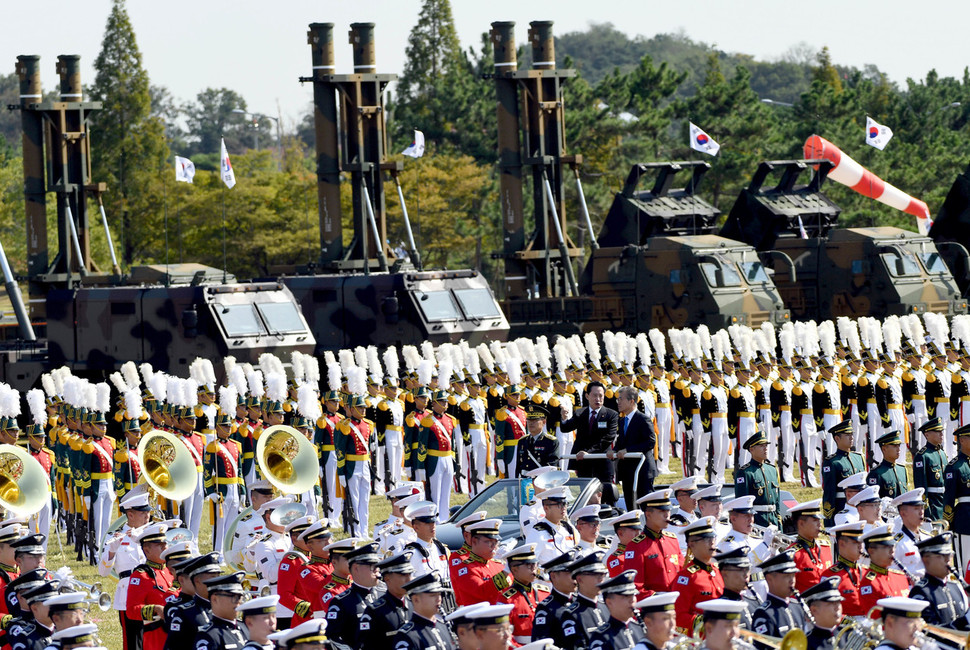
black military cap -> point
(40, 592)
(227, 584)
(826, 590)
(622, 584)
(397, 563)
(736, 558)
(891, 438)
(592, 562)
(30, 545)
(366, 554)
(933, 424)
(845, 426)
(208, 563)
(962, 431)
(784, 562)
(941, 544)
(562, 562)
(427, 584)
(29, 580)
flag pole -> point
(165, 222)
(225, 257)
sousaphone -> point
(23, 484)
(167, 465)
(287, 459)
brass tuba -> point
(287, 459)
(167, 465)
(23, 483)
(795, 639)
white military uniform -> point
(847, 515)
(427, 556)
(566, 438)
(128, 555)
(551, 540)
(263, 556)
(664, 416)
(906, 553)
(248, 528)
(394, 439)
(478, 441)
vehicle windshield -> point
(437, 306)
(933, 262)
(239, 320)
(900, 263)
(720, 275)
(502, 501)
(281, 317)
(477, 303)
(753, 272)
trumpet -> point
(794, 640)
(954, 637)
(779, 540)
(102, 601)
(680, 641)
(93, 589)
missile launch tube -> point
(13, 291)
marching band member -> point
(251, 525)
(721, 623)
(340, 579)
(587, 611)
(37, 633)
(657, 614)
(900, 621)
(425, 629)
(387, 530)
(554, 534)
(869, 506)
(464, 627)
(846, 566)
(946, 595)
(699, 580)
(851, 486)
(77, 636)
(40, 522)
(184, 619)
(523, 594)
(345, 611)
(735, 569)
(741, 521)
(550, 611)
(709, 504)
(622, 630)
(224, 631)
(588, 524)
(477, 570)
(66, 612)
(258, 615)
(289, 570)
(221, 466)
(781, 611)
(428, 553)
(654, 554)
(352, 442)
(880, 581)
(150, 587)
(121, 554)
(812, 555)
(824, 602)
(910, 507)
(383, 617)
(317, 568)
(262, 556)
(686, 510)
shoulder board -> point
(539, 587)
(897, 537)
(931, 378)
(370, 422)
(706, 394)
(693, 568)
(797, 390)
(295, 554)
(121, 456)
(640, 537)
(882, 383)
(895, 572)
(508, 593)
(735, 393)
(548, 436)
(427, 421)
(819, 388)
(746, 465)
(777, 385)
(957, 379)
(823, 542)
(871, 575)
(410, 420)
(665, 534)
(212, 447)
(501, 581)
(863, 381)
(501, 414)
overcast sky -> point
(258, 47)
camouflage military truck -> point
(824, 272)
(659, 263)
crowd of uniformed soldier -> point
(836, 404)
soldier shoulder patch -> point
(823, 542)
(691, 569)
(640, 537)
(735, 393)
(501, 581)
(664, 533)
(539, 587)
(819, 388)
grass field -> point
(379, 510)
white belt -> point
(962, 500)
(936, 490)
(522, 639)
(840, 495)
(767, 508)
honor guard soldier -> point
(262, 557)
(686, 510)
(824, 602)
(622, 630)
(314, 569)
(838, 467)
(880, 581)
(946, 596)
(36, 439)
(889, 475)
(911, 506)
(383, 617)
(222, 482)
(127, 471)
(440, 438)
(759, 478)
(626, 528)
(352, 442)
(291, 556)
(510, 428)
(99, 494)
(554, 534)
(929, 463)
(540, 448)
(851, 486)
(721, 623)
(340, 579)
(425, 629)
(956, 509)
(306, 636)
(464, 627)
(185, 617)
(781, 611)
(67, 612)
(250, 525)
(699, 580)
(587, 611)
(655, 553)
(412, 430)
(549, 612)
(900, 622)
(657, 615)
(846, 567)
(478, 569)
(735, 569)
(455, 558)
(523, 594)
(345, 612)
(150, 587)
(741, 521)
(122, 553)
(258, 616)
(224, 631)
(812, 555)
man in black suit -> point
(595, 427)
(636, 434)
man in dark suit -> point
(636, 434)
(595, 427)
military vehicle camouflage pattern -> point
(951, 231)
(824, 272)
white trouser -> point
(828, 421)
(100, 507)
(961, 545)
(379, 462)
(787, 439)
(478, 449)
(358, 491)
(746, 428)
(394, 447)
(810, 440)
(336, 503)
(566, 440)
(311, 501)
(664, 427)
(919, 418)
(225, 513)
(949, 426)
(192, 507)
(40, 522)
(858, 430)
(772, 432)
(440, 482)
(875, 431)
(700, 440)
(719, 432)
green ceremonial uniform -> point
(890, 477)
(928, 466)
(760, 480)
(836, 468)
(956, 498)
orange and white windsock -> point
(848, 172)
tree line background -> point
(630, 102)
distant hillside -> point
(602, 48)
